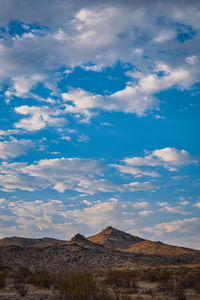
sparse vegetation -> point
(149, 283)
(3, 276)
(121, 279)
(81, 286)
(40, 279)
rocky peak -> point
(78, 238)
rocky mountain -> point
(111, 248)
(122, 241)
(114, 238)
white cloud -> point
(138, 98)
(184, 202)
(39, 117)
(10, 132)
(55, 218)
(183, 232)
(137, 172)
(67, 138)
(162, 203)
(82, 175)
(191, 59)
(173, 209)
(83, 138)
(146, 212)
(141, 186)
(184, 226)
(169, 158)
(86, 202)
(21, 85)
(92, 35)
(197, 204)
(141, 204)
(14, 148)
(165, 35)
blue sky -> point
(100, 118)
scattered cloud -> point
(191, 59)
(80, 175)
(146, 212)
(13, 148)
(137, 172)
(182, 226)
(183, 232)
(22, 85)
(162, 203)
(141, 204)
(173, 209)
(169, 158)
(38, 117)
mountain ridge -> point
(108, 237)
(110, 248)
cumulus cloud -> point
(137, 172)
(191, 59)
(141, 204)
(81, 175)
(22, 85)
(183, 232)
(13, 148)
(9, 132)
(55, 218)
(180, 227)
(173, 209)
(169, 158)
(146, 212)
(96, 35)
(137, 98)
(38, 117)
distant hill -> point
(21, 241)
(111, 248)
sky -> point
(99, 121)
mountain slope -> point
(122, 241)
(114, 238)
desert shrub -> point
(22, 289)
(179, 293)
(167, 286)
(173, 288)
(81, 286)
(122, 279)
(149, 275)
(21, 275)
(3, 276)
(197, 286)
(40, 279)
(190, 280)
(164, 276)
(119, 296)
(155, 275)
